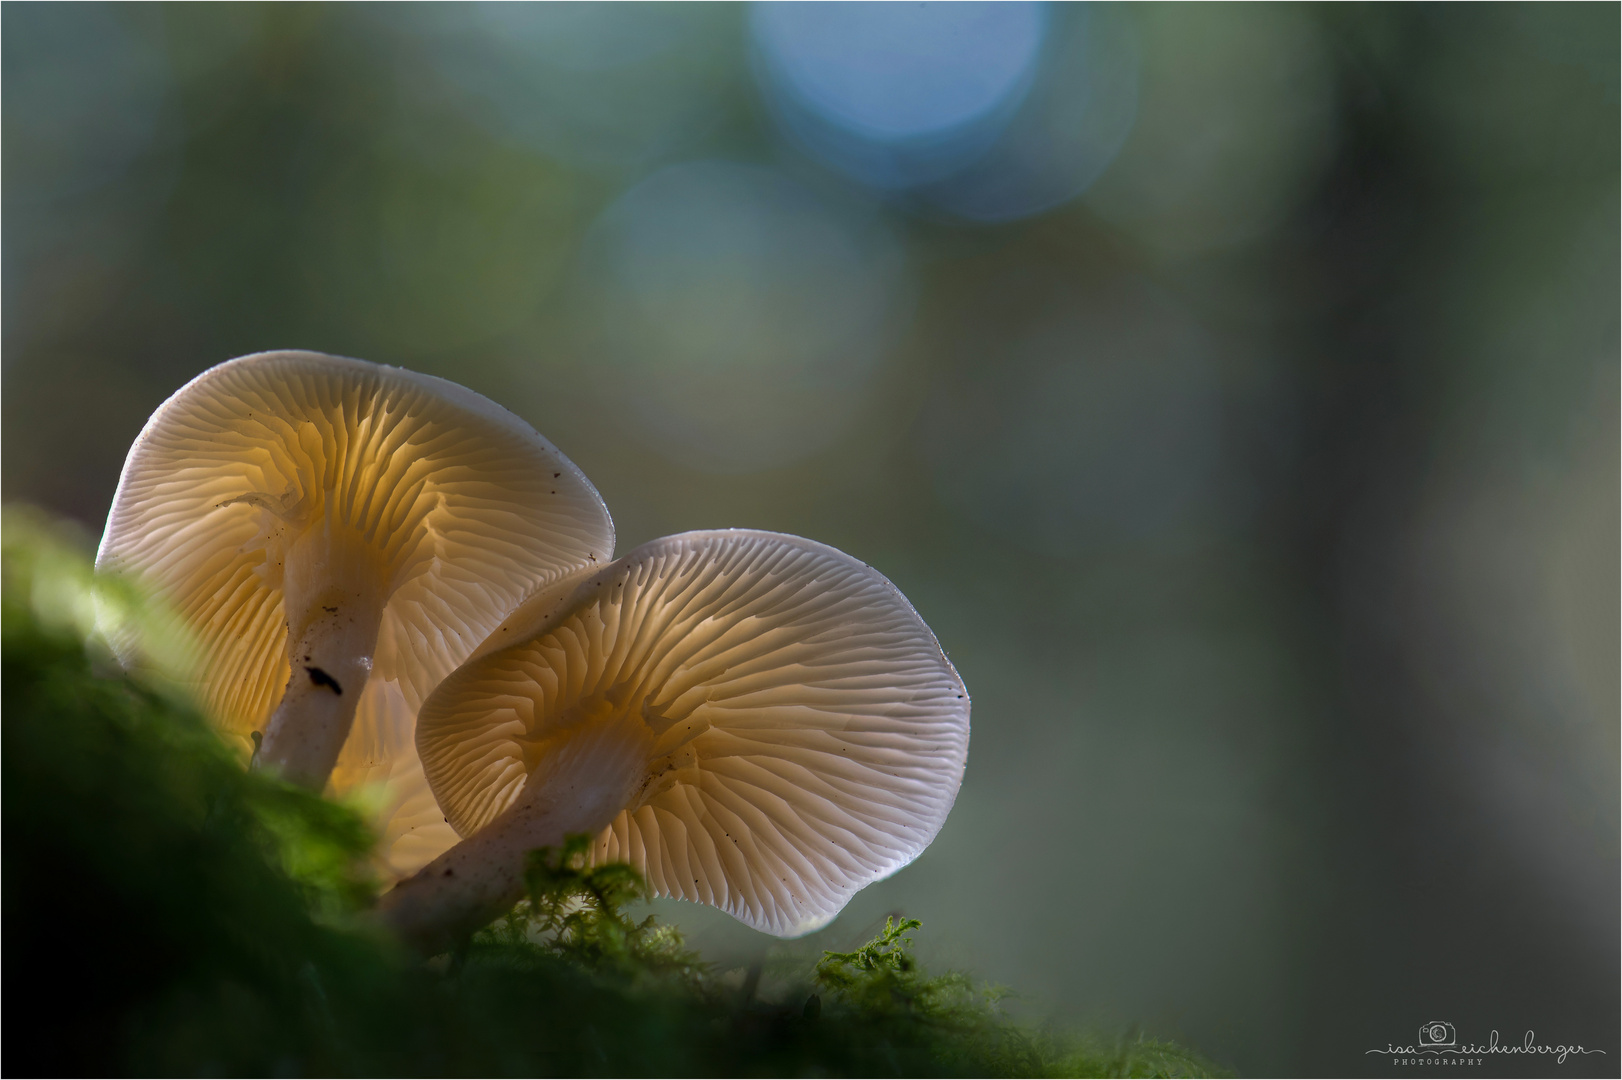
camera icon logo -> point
(1437, 1035)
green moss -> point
(168, 911)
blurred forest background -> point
(1234, 390)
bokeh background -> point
(1234, 389)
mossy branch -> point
(198, 917)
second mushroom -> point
(751, 720)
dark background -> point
(1236, 395)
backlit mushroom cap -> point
(273, 480)
(798, 732)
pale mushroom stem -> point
(330, 662)
(580, 788)
(334, 602)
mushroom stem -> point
(580, 788)
(334, 604)
(330, 663)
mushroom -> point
(754, 721)
(337, 536)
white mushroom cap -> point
(803, 734)
(268, 474)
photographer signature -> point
(1437, 1038)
